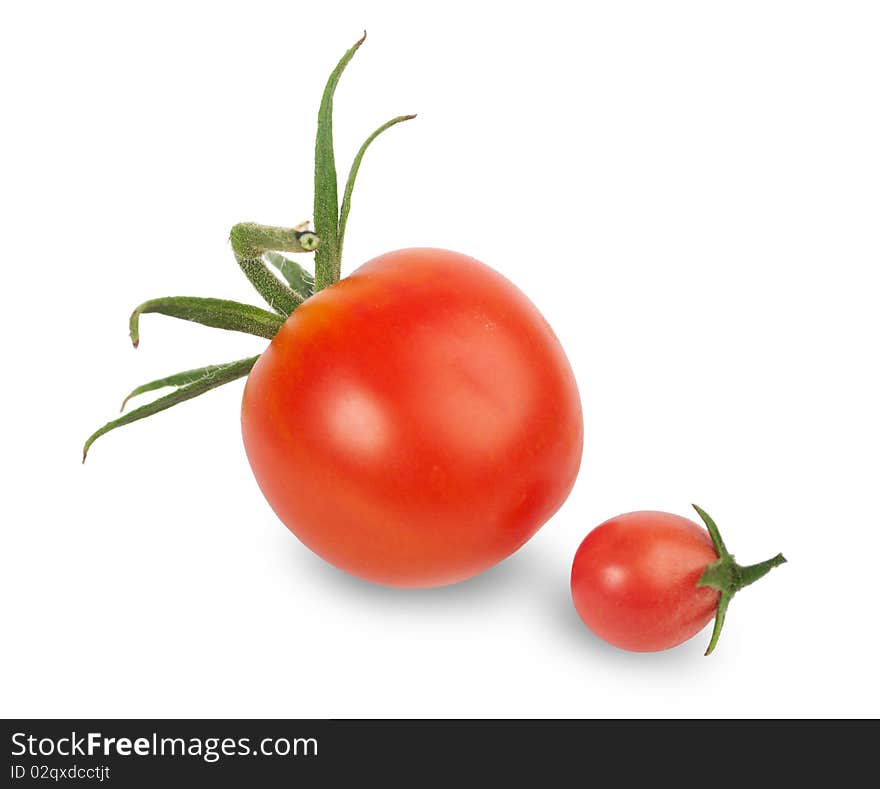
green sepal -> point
(178, 379)
(217, 313)
(326, 208)
(727, 576)
(352, 175)
(301, 282)
(217, 375)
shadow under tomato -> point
(531, 578)
(502, 580)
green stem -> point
(250, 241)
(217, 313)
(727, 576)
(753, 572)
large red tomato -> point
(416, 422)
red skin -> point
(416, 422)
(634, 580)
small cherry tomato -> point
(647, 581)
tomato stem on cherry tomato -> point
(254, 246)
(251, 241)
(727, 576)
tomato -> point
(416, 422)
(634, 580)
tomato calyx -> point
(727, 576)
(257, 247)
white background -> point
(689, 191)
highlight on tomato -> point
(647, 581)
(413, 423)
